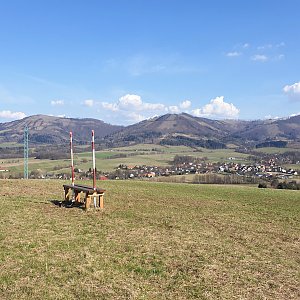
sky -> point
(123, 61)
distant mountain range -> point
(54, 130)
(169, 129)
(184, 129)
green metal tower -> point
(26, 152)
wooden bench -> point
(89, 194)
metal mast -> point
(26, 152)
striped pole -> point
(72, 159)
(94, 160)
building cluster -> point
(267, 170)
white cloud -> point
(271, 46)
(173, 109)
(293, 90)
(264, 47)
(110, 106)
(294, 115)
(57, 102)
(233, 54)
(185, 104)
(218, 108)
(140, 65)
(262, 53)
(279, 57)
(135, 117)
(89, 102)
(269, 117)
(132, 108)
(7, 114)
(260, 57)
(153, 106)
(131, 102)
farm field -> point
(273, 150)
(152, 241)
(108, 160)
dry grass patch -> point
(153, 241)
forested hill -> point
(54, 130)
(169, 129)
(184, 129)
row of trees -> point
(185, 141)
(186, 159)
(224, 179)
(211, 178)
(282, 185)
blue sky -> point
(124, 61)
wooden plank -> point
(83, 188)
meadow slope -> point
(153, 241)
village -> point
(267, 170)
(262, 171)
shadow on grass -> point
(67, 204)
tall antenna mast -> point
(26, 152)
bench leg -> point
(101, 201)
(88, 201)
(77, 196)
(68, 194)
(95, 200)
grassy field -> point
(153, 241)
(136, 155)
(142, 154)
(273, 150)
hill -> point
(184, 129)
(284, 129)
(169, 129)
(175, 129)
(54, 130)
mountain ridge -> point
(164, 129)
(49, 129)
(171, 127)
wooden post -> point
(68, 194)
(88, 202)
(101, 201)
(77, 196)
(94, 160)
(72, 158)
(95, 199)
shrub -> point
(262, 185)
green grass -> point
(292, 166)
(274, 150)
(143, 154)
(153, 241)
(10, 144)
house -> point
(150, 174)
